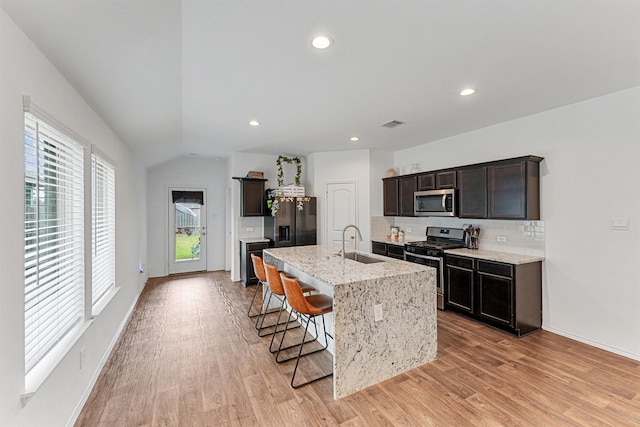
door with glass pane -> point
(187, 230)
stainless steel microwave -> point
(435, 203)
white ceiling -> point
(177, 77)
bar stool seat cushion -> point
(319, 304)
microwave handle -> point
(444, 203)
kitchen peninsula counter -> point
(366, 351)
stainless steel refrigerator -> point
(294, 222)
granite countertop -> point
(324, 263)
(253, 239)
(508, 258)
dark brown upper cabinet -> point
(407, 185)
(507, 189)
(446, 179)
(427, 181)
(437, 180)
(514, 190)
(390, 196)
(504, 189)
(252, 196)
(472, 193)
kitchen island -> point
(384, 314)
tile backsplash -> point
(522, 237)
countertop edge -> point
(254, 240)
(505, 257)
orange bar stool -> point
(275, 291)
(276, 287)
(310, 306)
(262, 279)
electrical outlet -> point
(249, 228)
(82, 357)
(409, 230)
(377, 312)
(501, 238)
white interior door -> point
(187, 230)
(342, 210)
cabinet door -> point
(495, 298)
(472, 193)
(460, 286)
(252, 197)
(247, 272)
(507, 191)
(408, 186)
(446, 180)
(390, 196)
(427, 181)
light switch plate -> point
(619, 223)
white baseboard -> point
(103, 361)
(593, 343)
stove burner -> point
(435, 245)
(438, 240)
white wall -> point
(343, 166)
(186, 172)
(26, 71)
(590, 175)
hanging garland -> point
(273, 203)
(289, 160)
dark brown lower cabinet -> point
(388, 249)
(505, 296)
(460, 282)
(247, 273)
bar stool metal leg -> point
(284, 334)
(260, 286)
(295, 370)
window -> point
(54, 238)
(103, 230)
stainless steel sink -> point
(362, 258)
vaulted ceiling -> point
(175, 78)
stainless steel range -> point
(431, 253)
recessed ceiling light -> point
(254, 123)
(354, 139)
(321, 42)
(467, 92)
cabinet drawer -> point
(461, 262)
(379, 248)
(496, 268)
(257, 247)
(395, 251)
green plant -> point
(289, 160)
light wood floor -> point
(189, 356)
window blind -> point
(103, 248)
(54, 237)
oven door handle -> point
(431, 258)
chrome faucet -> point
(344, 230)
